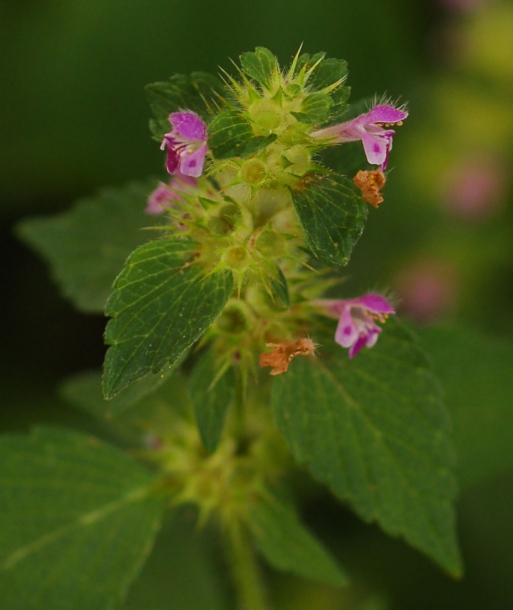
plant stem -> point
(245, 571)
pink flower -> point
(186, 144)
(370, 129)
(357, 319)
(165, 194)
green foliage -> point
(469, 365)
(260, 65)
(162, 303)
(199, 92)
(231, 135)
(375, 431)
(87, 246)
(78, 522)
(315, 108)
(212, 390)
(287, 544)
(328, 71)
(332, 214)
(133, 415)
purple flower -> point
(370, 129)
(186, 144)
(357, 319)
(165, 194)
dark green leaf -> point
(162, 303)
(475, 371)
(315, 108)
(287, 545)
(212, 394)
(332, 214)
(231, 135)
(328, 72)
(260, 65)
(77, 522)
(182, 573)
(199, 92)
(375, 431)
(87, 246)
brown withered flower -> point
(370, 183)
(284, 352)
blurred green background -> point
(74, 118)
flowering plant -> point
(239, 269)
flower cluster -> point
(239, 212)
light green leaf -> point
(87, 246)
(475, 371)
(212, 392)
(260, 65)
(375, 431)
(287, 545)
(162, 303)
(199, 92)
(231, 135)
(78, 522)
(332, 214)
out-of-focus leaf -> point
(476, 375)
(288, 545)
(87, 246)
(78, 521)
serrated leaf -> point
(332, 214)
(475, 371)
(87, 246)
(77, 522)
(199, 92)
(212, 392)
(375, 431)
(288, 545)
(231, 135)
(315, 108)
(260, 65)
(162, 303)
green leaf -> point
(134, 415)
(199, 92)
(212, 392)
(231, 135)
(182, 573)
(78, 522)
(475, 371)
(329, 71)
(87, 246)
(287, 545)
(375, 431)
(332, 214)
(315, 108)
(162, 303)
(260, 65)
